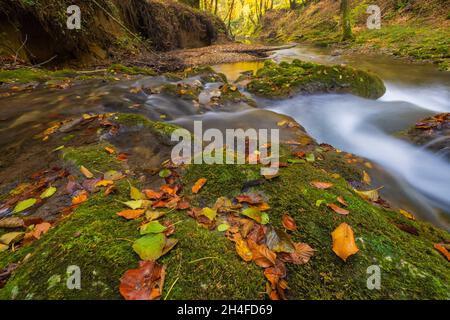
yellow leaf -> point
(86, 172)
(344, 241)
(110, 150)
(371, 195)
(243, 250)
(366, 178)
(407, 214)
(104, 183)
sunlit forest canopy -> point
(243, 16)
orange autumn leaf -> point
(198, 185)
(344, 244)
(302, 254)
(443, 250)
(342, 201)
(262, 255)
(289, 223)
(263, 206)
(152, 195)
(338, 209)
(39, 230)
(243, 250)
(110, 150)
(169, 190)
(80, 197)
(122, 156)
(131, 214)
(144, 283)
(321, 185)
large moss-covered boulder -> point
(286, 79)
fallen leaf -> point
(321, 185)
(39, 230)
(135, 193)
(122, 156)
(152, 227)
(152, 195)
(144, 283)
(135, 204)
(250, 198)
(243, 250)
(48, 193)
(262, 255)
(211, 214)
(302, 254)
(165, 173)
(104, 183)
(24, 205)
(113, 175)
(223, 227)
(110, 150)
(344, 244)
(131, 214)
(86, 172)
(153, 215)
(12, 222)
(198, 185)
(338, 209)
(11, 237)
(150, 246)
(81, 197)
(366, 178)
(406, 214)
(255, 214)
(371, 195)
(289, 223)
(442, 250)
(342, 201)
(279, 241)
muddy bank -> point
(36, 32)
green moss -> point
(411, 268)
(94, 157)
(23, 75)
(131, 70)
(284, 79)
(132, 120)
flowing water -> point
(413, 178)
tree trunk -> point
(346, 24)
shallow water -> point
(413, 178)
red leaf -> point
(144, 283)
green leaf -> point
(223, 227)
(165, 173)
(150, 247)
(135, 204)
(152, 227)
(310, 157)
(25, 204)
(48, 193)
(257, 215)
(320, 202)
(210, 213)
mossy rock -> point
(286, 79)
(410, 267)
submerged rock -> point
(432, 133)
(286, 79)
